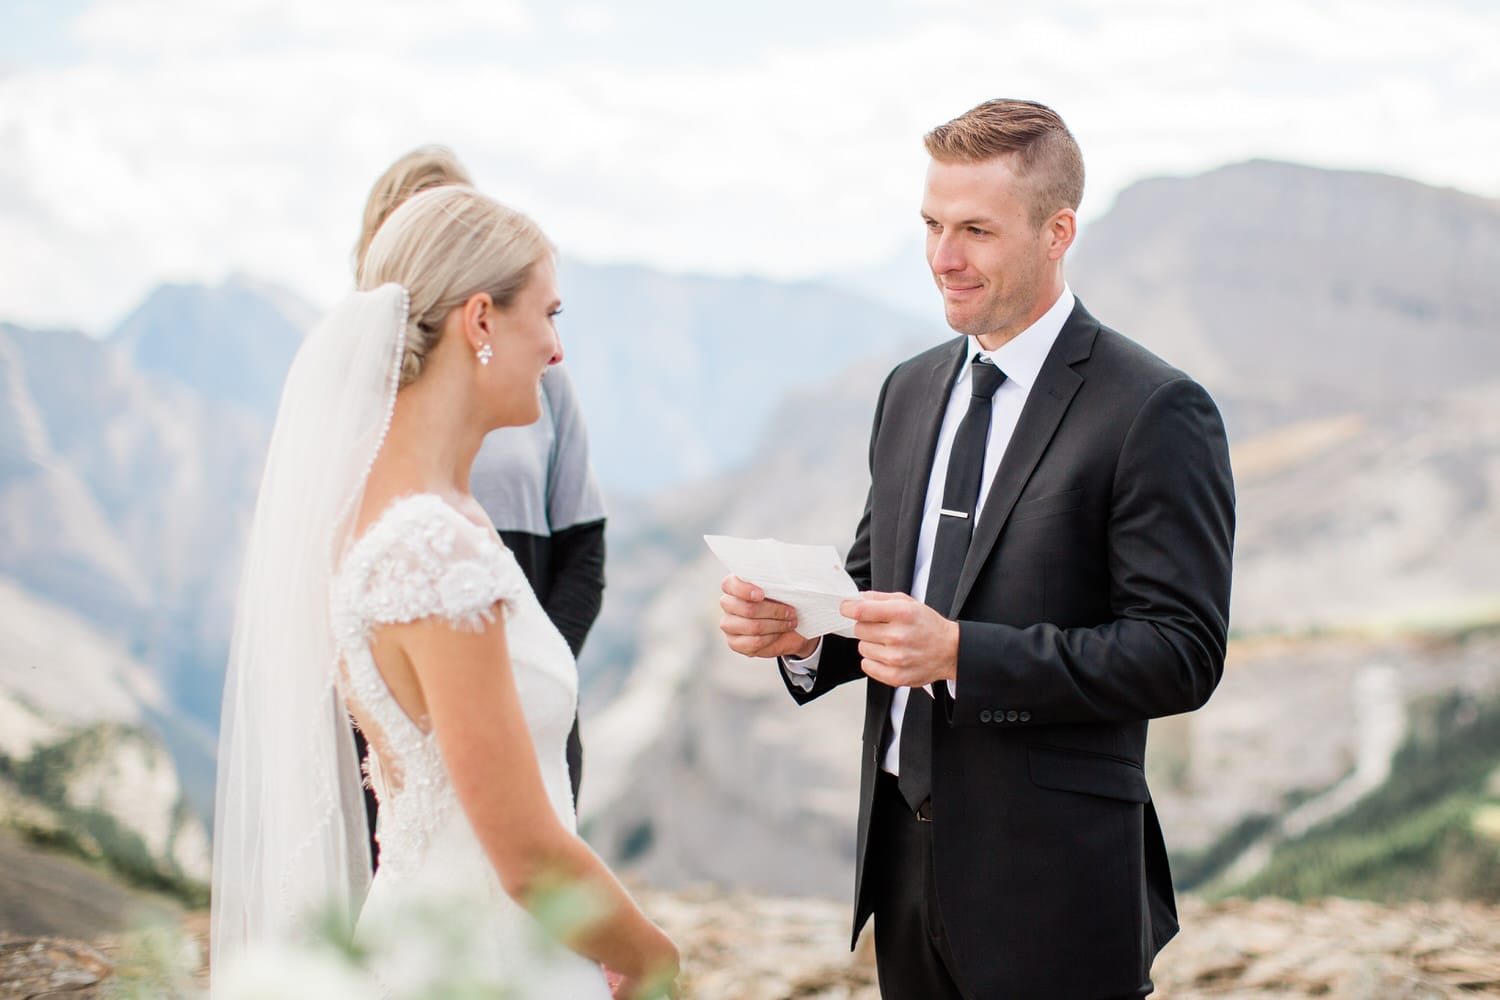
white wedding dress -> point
(423, 559)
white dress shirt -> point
(1020, 359)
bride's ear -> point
(480, 320)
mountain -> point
(1294, 293)
(678, 374)
(1367, 535)
(126, 497)
(900, 281)
(1291, 292)
(232, 342)
(646, 349)
(129, 466)
(54, 536)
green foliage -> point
(566, 909)
(637, 841)
(45, 774)
(126, 854)
(156, 963)
(58, 839)
(1418, 836)
(1192, 870)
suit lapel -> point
(1048, 400)
(935, 385)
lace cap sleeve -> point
(424, 559)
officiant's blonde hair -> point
(423, 168)
(445, 245)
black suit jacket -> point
(1095, 596)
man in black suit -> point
(1046, 549)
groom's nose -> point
(946, 255)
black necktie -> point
(955, 528)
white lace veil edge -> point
(290, 837)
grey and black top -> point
(537, 486)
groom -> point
(1046, 549)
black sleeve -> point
(576, 581)
(1169, 545)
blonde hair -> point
(445, 245)
(423, 168)
(1047, 155)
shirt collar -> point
(1021, 357)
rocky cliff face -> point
(80, 762)
(1294, 293)
(709, 772)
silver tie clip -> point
(953, 513)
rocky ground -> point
(740, 947)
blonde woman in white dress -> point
(375, 585)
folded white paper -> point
(811, 578)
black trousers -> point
(911, 952)
(912, 957)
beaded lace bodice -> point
(423, 559)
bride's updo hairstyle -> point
(443, 246)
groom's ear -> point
(1060, 232)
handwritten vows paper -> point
(810, 578)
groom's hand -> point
(902, 642)
(754, 625)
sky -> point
(148, 141)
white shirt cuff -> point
(803, 672)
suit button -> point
(1025, 716)
(1012, 716)
(985, 716)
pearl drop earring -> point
(484, 354)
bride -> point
(375, 585)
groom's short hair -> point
(1046, 155)
(424, 167)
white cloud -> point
(590, 19)
(164, 27)
(197, 139)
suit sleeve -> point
(839, 661)
(1168, 541)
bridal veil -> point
(290, 841)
